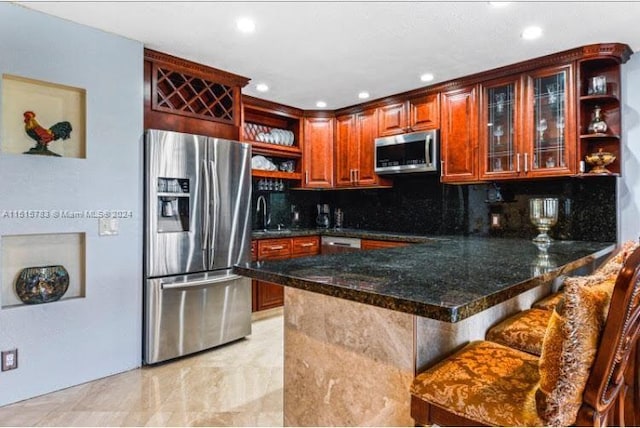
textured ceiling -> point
(309, 51)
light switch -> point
(108, 226)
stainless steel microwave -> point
(414, 152)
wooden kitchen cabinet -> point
(268, 295)
(501, 146)
(459, 135)
(392, 119)
(265, 294)
(416, 114)
(317, 155)
(305, 246)
(355, 150)
(526, 125)
(373, 244)
(549, 128)
(183, 96)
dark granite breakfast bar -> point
(447, 279)
(359, 326)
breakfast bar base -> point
(345, 363)
(351, 364)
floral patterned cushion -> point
(549, 302)
(523, 331)
(609, 270)
(486, 382)
(612, 266)
(569, 349)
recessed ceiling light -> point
(321, 104)
(246, 25)
(363, 95)
(532, 32)
(499, 4)
(262, 87)
(426, 77)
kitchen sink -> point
(274, 231)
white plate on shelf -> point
(277, 138)
(290, 138)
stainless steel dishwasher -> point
(336, 244)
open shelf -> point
(598, 136)
(275, 150)
(276, 174)
(603, 98)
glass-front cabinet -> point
(499, 129)
(526, 127)
(550, 130)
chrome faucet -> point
(265, 216)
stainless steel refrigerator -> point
(198, 198)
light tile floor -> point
(239, 384)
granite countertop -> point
(445, 278)
(349, 233)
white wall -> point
(70, 342)
(629, 184)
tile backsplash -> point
(420, 204)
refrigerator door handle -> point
(198, 283)
(215, 198)
(205, 232)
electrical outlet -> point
(9, 360)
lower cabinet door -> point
(269, 295)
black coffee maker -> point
(324, 216)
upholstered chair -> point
(578, 379)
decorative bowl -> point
(42, 284)
(599, 161)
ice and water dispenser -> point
(173, 204)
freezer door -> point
(175, 193)
(230, 204)
(186, 314)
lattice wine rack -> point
(179, 93)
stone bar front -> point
(345, 363)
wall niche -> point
(52, 104)
(23, 251)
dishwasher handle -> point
(198, 283)
(340, 244)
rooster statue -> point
(43, 136)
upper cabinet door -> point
(368, 132)
(424, 112)
(346, 150)
(459, 135)
(392, 119)
(550, 123)
(500, 143)
(317, 154)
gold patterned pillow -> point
(524, 331)
(612, 266)
(550, 359)
(549, 302)
(569, 348)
